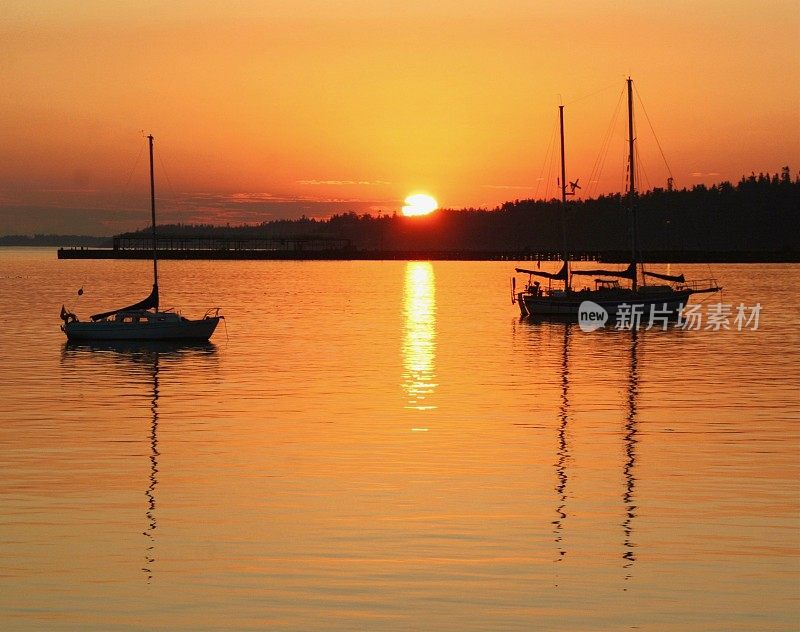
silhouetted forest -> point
(759, 214)
(55, 240)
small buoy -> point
(80, 292)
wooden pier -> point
(332, 249)
(288, 248)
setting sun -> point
(419, 204)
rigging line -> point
(546, 181)
(591, 94)
(690, 218)
(652, 130)
(641, 172)
(641, 176)
(550, 161)
(124, 192)
(625, 172)
(609, 138)
(553, 169)
(605, 145)
(603, 156)
(135, 164)
(169, 182)
(545, 162)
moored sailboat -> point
(142, 320)
(665, 298)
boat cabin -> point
(606, 284)
(143, 317)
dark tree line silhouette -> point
(759, 214)
(38, 239)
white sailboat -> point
(142, 320)
(666, 300)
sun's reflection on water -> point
(419, 341)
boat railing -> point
(699, 284)
(212, 312)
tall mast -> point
(564, 255)
(632, 189)
(153, 211)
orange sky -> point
(273, 109)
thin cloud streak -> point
(508, 186)
(367, 183)
(103, 216)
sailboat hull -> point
(146, 330)
(666, 304)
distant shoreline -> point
(754, 220)
(607, 256)
(55, 241)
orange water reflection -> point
(283, 487)
(419, 341)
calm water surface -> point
(386, 446)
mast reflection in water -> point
(419, 343)
(630, 456)
(571, 407)
(150, 492)
(563, 448)
(142, 359)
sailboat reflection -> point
(150, 492)
(146, 358)
(419, 343)
(629, 434)
(631, 430)
(563, 448)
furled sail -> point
(561, 275)
(627, 273)
(667, 277)
(151, 302)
